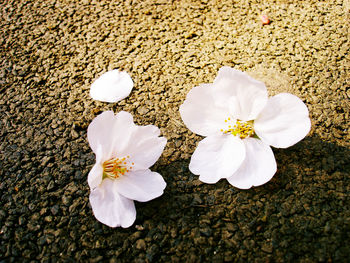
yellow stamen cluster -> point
(115, 167)
(243, 129)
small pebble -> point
(265, 20)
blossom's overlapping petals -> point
(283, 122)
(145, 146)
(112, 132)
(119, 136)
(200, 113)
(245, 96)
(110, 207)
(112, 86)
(217, 157)
(140, 185)
(258, 167)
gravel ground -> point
(51, 51)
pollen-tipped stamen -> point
(243, 129)
(116, 167)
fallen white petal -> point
(283, 122)
(111, 208)
(217, 157)
(200, 113)
(258, 167)
(141, 186)
(245, 96)
(111, 86)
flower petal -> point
(111, 86)
(95, 176)
(217, 157)
(283, 122)
(145, 147)
(111, 208)
(111, 132)
(200, 113)
(245, 95)
(141, 186)
(258, 167)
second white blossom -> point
(240, 124)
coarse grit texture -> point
(51, 52)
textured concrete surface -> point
(51, 51)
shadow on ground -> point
(302, 213)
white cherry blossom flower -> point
(240, 124)
(124, 153)
(111, 86)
